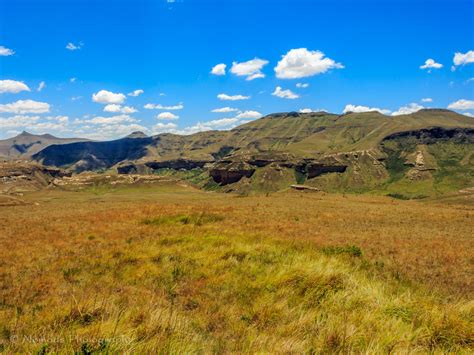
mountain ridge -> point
(25, 144)
(352, 151)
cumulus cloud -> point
(107, 97)
(462, 105)
(5, 52)
(301, 63)
(427, 99)
(136, 93)
(25, 106)
(61, 119)
(284, 94)
(74, 47)
(167, 116)
(41, 86)
(33, 123)
(109, 130)
(100, 120)
(225, 110)
(18, 121)
(251, 69)
(405, 110)
(223, 122)
(463, 58)
(12, 86)
(431, 64)
(309, 110)
(180, 106)
(302, 85)
(219, 69)
(164, 128)
(225, 97)
(468, 114)
(359, 109)
(119, 108)
(248, 115)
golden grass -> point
(162, 270)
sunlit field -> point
(174, 269)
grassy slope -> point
(365, 131)
(178, 270)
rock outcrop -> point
(228, 172)
(19, 176)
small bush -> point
(193, 219)
(351, 250)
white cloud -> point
(119, 108)
(463, 58)
(25, 106)
(405, 110)
(468, 114)
(12, 86)
(107, 97)
(284, 94)
(41, 86)
(223, 122)
(72, 80)
(302, 85)
(61, 119)
(251, 69)
(219, 69)
(136, 93)
(74, 47)
(224, 110)
(301, 63)
(427, 99)
(249, 115)
(431, 64)
(226, 97)
(164, 128)
(305, 110)
(462, 105)
(161, 107)
(18, 121)
(111, 120)
(32, 123)
(5, 52)
(167, 116)
(359, 109)
(109, 131)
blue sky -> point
(299, 54)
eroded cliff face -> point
(20, 176)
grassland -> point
(173, 269)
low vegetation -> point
(151, 269)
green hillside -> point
(355, 152)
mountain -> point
(24, 145)
(427, 152)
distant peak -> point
(435, 110)
(137, 134)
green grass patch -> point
(351, 250)
(197, 219)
